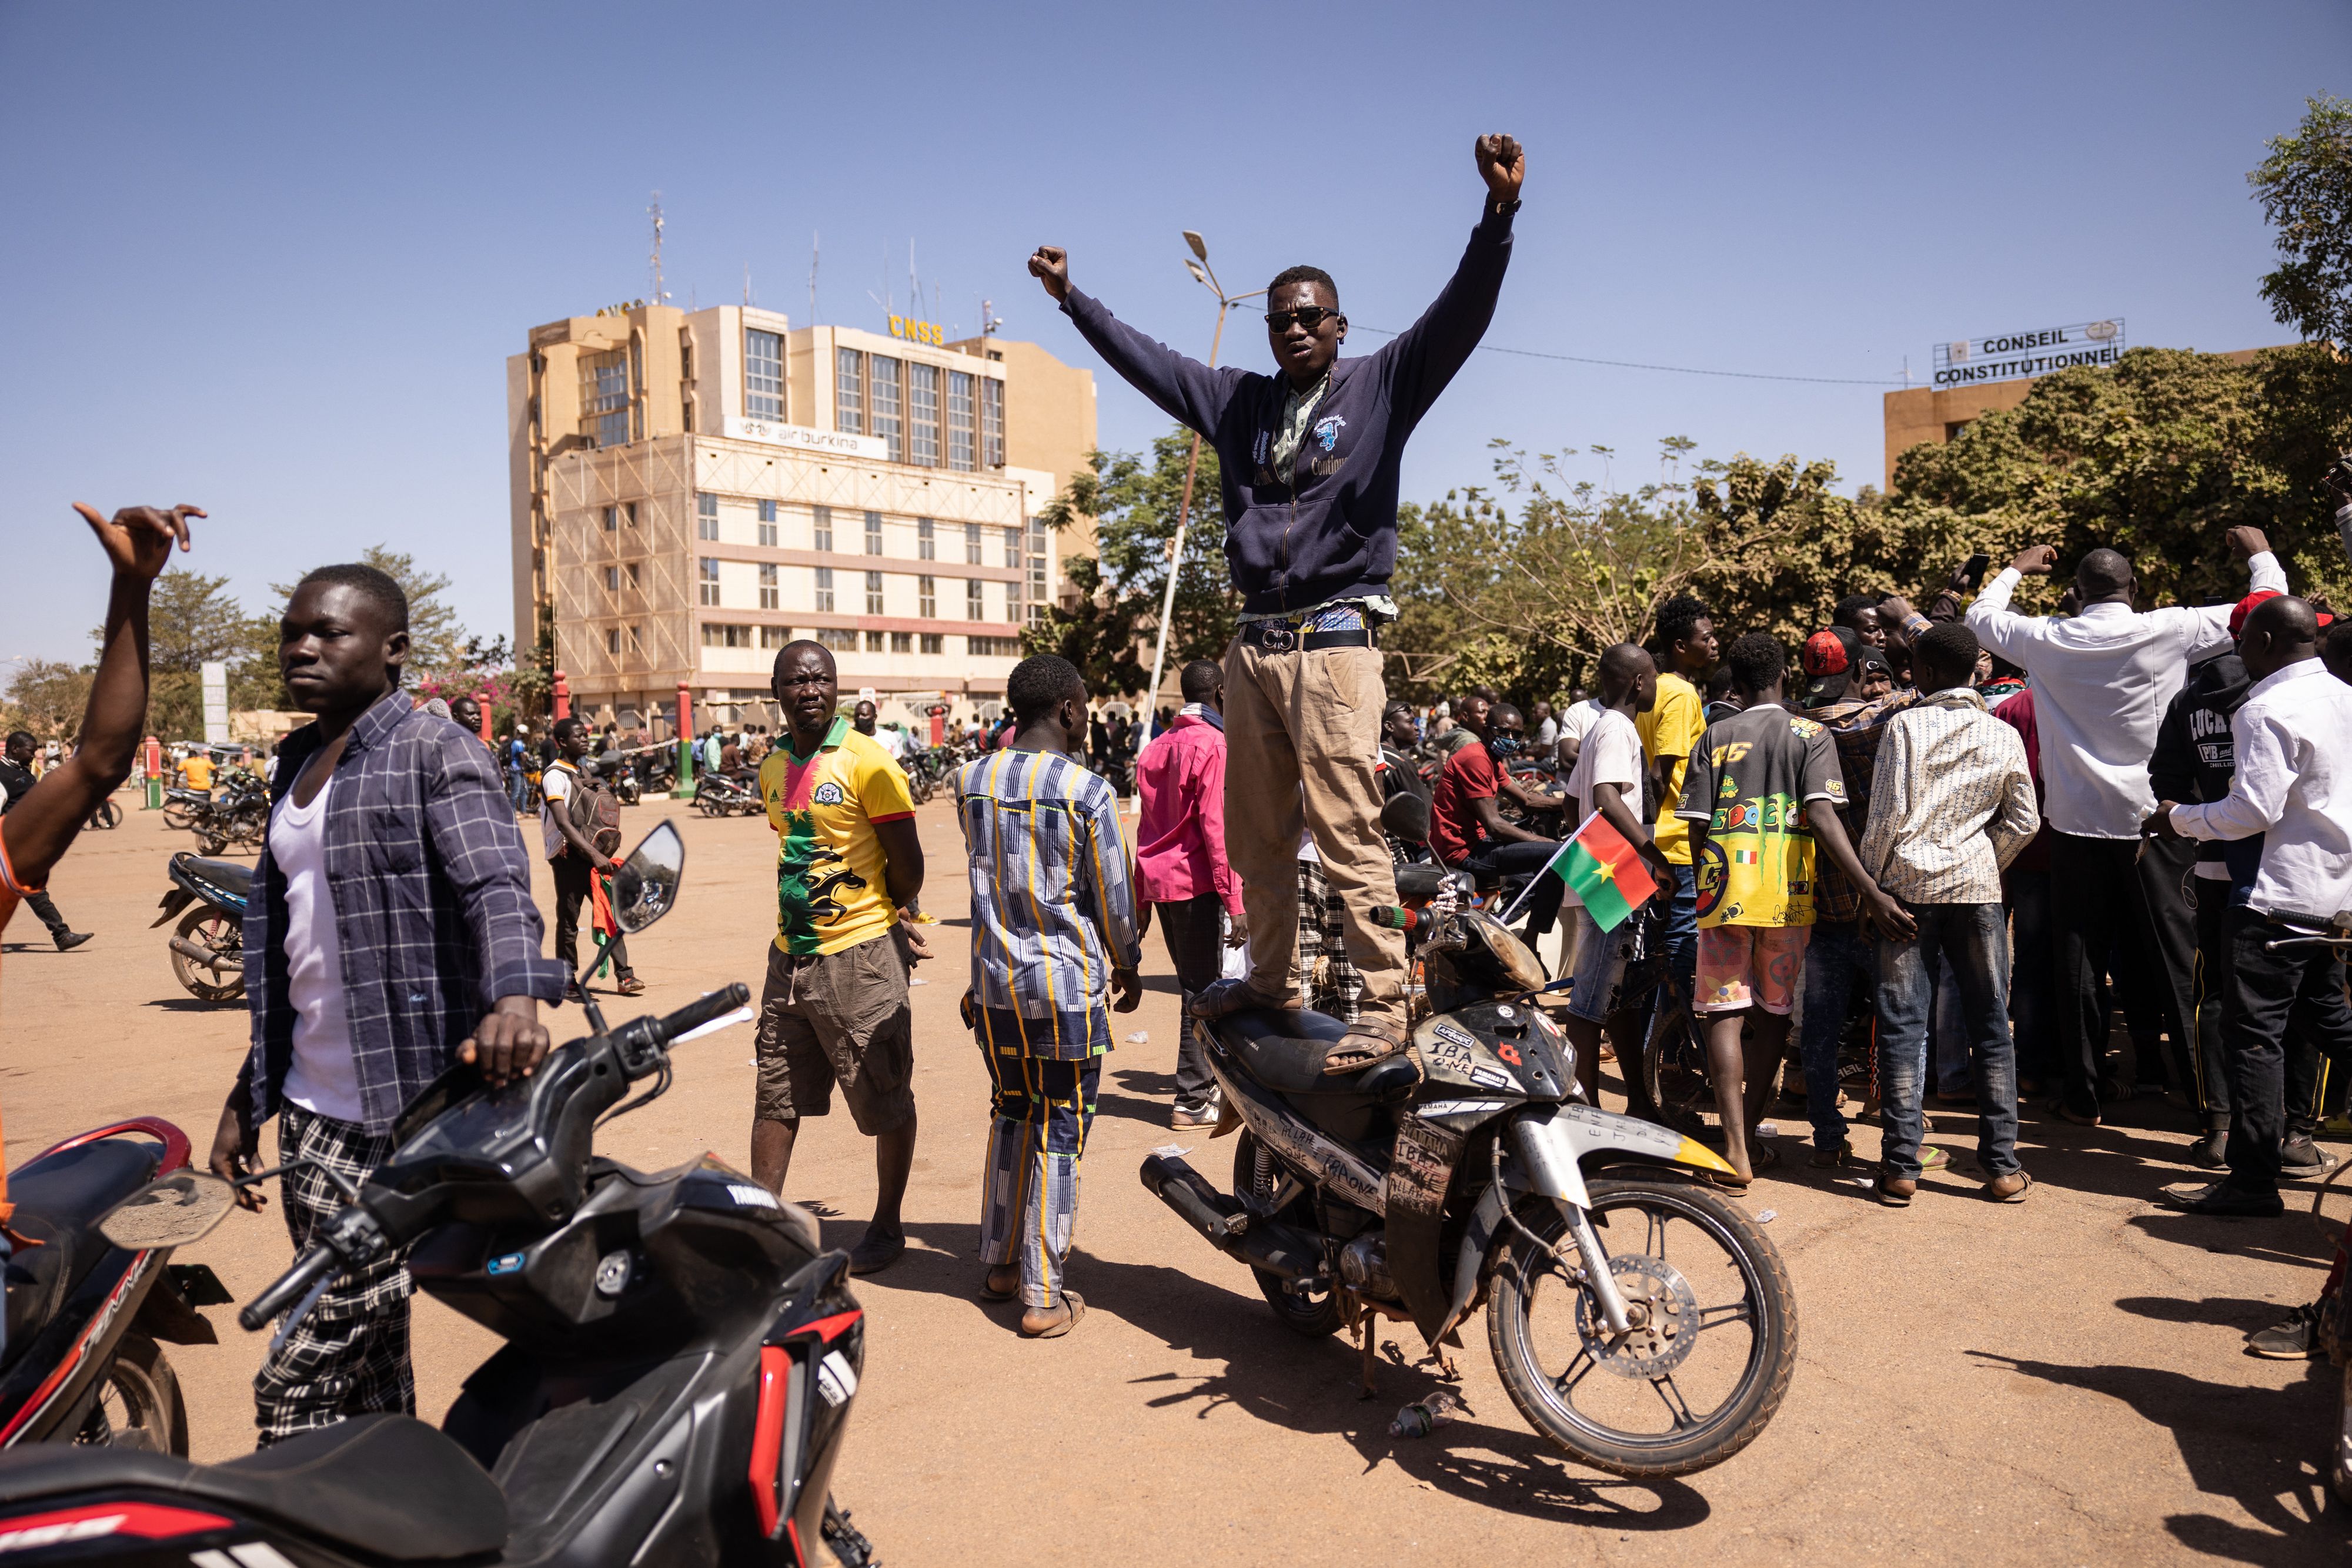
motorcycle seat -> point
(1284, 1052)
(60, 1199)
(388, 1487)
(232, 877)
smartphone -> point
(1973, 572)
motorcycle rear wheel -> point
(208, 928)
(1758, 1375)
(1674, 1083)
(1313, 1315)
(139, 1405)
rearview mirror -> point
(647, 884)
(178, 1209)
(1406, 816)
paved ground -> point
(2059, 1382)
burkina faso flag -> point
(1604, 871)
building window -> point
(992, 647)
(849, 392)
(902, 641)
(872, 533)
(927, 544)
(611, 580)
(971, 544)
(960, 452)
(708, 584)
(763, 376)
(1036, 572)
(822, 524)
(605, 397)
(873, 593)
(612, 520)
(1013, 549)
(1013, 602)
(611, 639)
(718, 636)
(884, 402)
(841, 639)
(768, 594)
(767, 523)
(975, 600)
(874, 642)
(825, 589)
(636, 643)
(991, 422)
(934, 643)
(705, 516)
(927, 598)
(774, 636)
(922, 414)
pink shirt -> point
(1180, 835)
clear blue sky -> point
(271, 259)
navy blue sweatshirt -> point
(1334, 536)
(2196, 760)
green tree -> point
(2305, 190)
(193, 621)
(436, 639)
(1134, 505)
(47, 696)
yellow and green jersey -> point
(830, 890)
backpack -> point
(596, 812)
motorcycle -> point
(1470, 1172)
(679, 1361)
(725, 795)
(208, 946)
(238, 814)
(613, 771)
(89, 1317)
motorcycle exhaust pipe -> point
(1221, 1221)
(205, 955)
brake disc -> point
(1665, 1314)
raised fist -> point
(1501, 163)
(1050, 265)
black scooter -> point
(679, 1363)
(208, 945)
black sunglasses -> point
(1307, 315)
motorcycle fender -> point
(1478, 1238)
(1572, 1134)
(168, 1315)
(174, 901)
(1419, 1172)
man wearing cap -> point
(2102, 679)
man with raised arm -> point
(1308, 459)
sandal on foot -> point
(1056, 1330)
(1364, 1045)
(989, 1292)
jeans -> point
(1836, 955)
(1682, 929)
(1194, 931)
(1975, 938)
(1518, 858)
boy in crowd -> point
(1054, 933)
(1669, 729)
(1749, 799)
(573, 860)
(1952, 805)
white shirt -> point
(1612, 755)
(555, 792)
(2293, 786)
(324, 1077)
(1577, 719)
(2101, 683)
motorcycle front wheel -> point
(176, 818)
(139, 1404)
(1714, 1346)
(1314, 1314)
(208, 928)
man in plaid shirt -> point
(391, 933)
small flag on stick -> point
(1603, 870)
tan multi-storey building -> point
(692, 491)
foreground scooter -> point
(208, 945)
(1468, 1172)
(679, 1363)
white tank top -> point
(324, 1078)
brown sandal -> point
(1364, 1045)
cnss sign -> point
(2005, 356)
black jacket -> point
(2194, 757)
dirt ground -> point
(2058, 1382)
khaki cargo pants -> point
(1302, 736)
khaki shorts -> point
(837, 1017)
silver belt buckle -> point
(1276, 639)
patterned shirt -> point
(1953, 804)
(433, 907)
(831, 890)
(1753, 779)
(1290, 429)
(1052, 911)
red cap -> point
(1825, 653)
(2246, 607)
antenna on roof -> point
(814, 238)
(747, 283)
(659, 293)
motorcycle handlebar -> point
(642, 1041)
(314, 1265)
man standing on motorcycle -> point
(15, 783)
(1311, 459)
(40, 823)
(391, 934)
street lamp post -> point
(1197, 264)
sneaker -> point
(70, 940)
(2300, 1154)
(2297, 1339)
(1195, 1116)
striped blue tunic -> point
(1053, 908)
